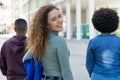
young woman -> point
(45, 43)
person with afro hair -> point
(103, 52)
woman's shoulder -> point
(27, 56)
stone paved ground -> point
(77, 59)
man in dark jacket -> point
(12, 52)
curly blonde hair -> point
(38, 33)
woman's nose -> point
(60, 20)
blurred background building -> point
(77, 14)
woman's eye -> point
(53, 19)
(59, 16)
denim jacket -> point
(32, 66)
(103, 55)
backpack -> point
(33, 68)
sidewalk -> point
(77, 58)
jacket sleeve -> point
(29, 69)
(32, 66)
(63, 56)
(89, 59)
(3, 65)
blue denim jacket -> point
(103, 55)
(32, 66)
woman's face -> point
(55, 21)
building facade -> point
(77, 14)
